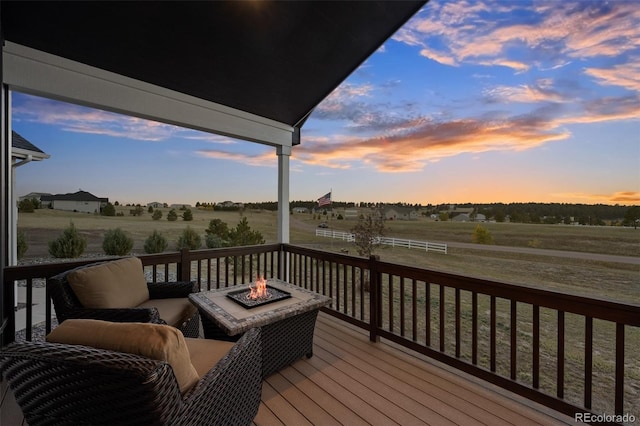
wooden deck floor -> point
(350, 381)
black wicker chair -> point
(59, 384)
(68, 306)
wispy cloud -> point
(621, 197)
(486, 33)
(262, 159)
(79, 119)
(542, 90)
(622, 75)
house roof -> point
(21, 148)
(275, 59)
(76, 196)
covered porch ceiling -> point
(228, 67)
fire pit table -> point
(287, 318)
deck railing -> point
(572, 353)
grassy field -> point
(611, 280)
(605, 279)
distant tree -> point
(109, 210)
(155, 243)
(69, 245)
(187, 215)
(150, 209)
(189, 239)
(36, 203)
(367, 232)
(157, 214)
(137, 210)
(243, 235)
(116, 203)
(481, 235)
(26, 206)
(117, 242)
(443, 217)
(218, 227)
(632, 216)
(172, 216)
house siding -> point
(77, 206)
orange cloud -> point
(621, 197)
(623, 75)
(428, 142)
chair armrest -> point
(150, 315)
(233, 385)
(171, 290)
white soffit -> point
(42, 74)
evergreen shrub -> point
(69, 245)
(117, 242)
(156, 243)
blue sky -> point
(471, 101)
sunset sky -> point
(471, 101)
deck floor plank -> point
(326, 400)
(452, 389)
(305, 405)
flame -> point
(260, 290)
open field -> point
(605, 279)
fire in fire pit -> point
(258, 295)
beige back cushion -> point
(116, 284)
(155, 341)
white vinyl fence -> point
(394, 242)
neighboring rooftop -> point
(21, 148)
(76, 196)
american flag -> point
(324, 200)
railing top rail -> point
(21, 272)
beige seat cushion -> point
(174, 312)
(206, 353)
(155, 341)
(116, 284)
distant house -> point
(300, 210)
(230, 205)
(400, 213)
(180, 206)
(81, 201)
(155, 205)
(462, 217)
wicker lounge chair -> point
(68, 384)
(166, 302)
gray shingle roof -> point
(76, 196)
(17, 141)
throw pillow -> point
(115, 284)
(155, 341)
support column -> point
(284, 152)
(7, 316)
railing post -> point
(8, 328)
(184, 267)
(374, 298)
